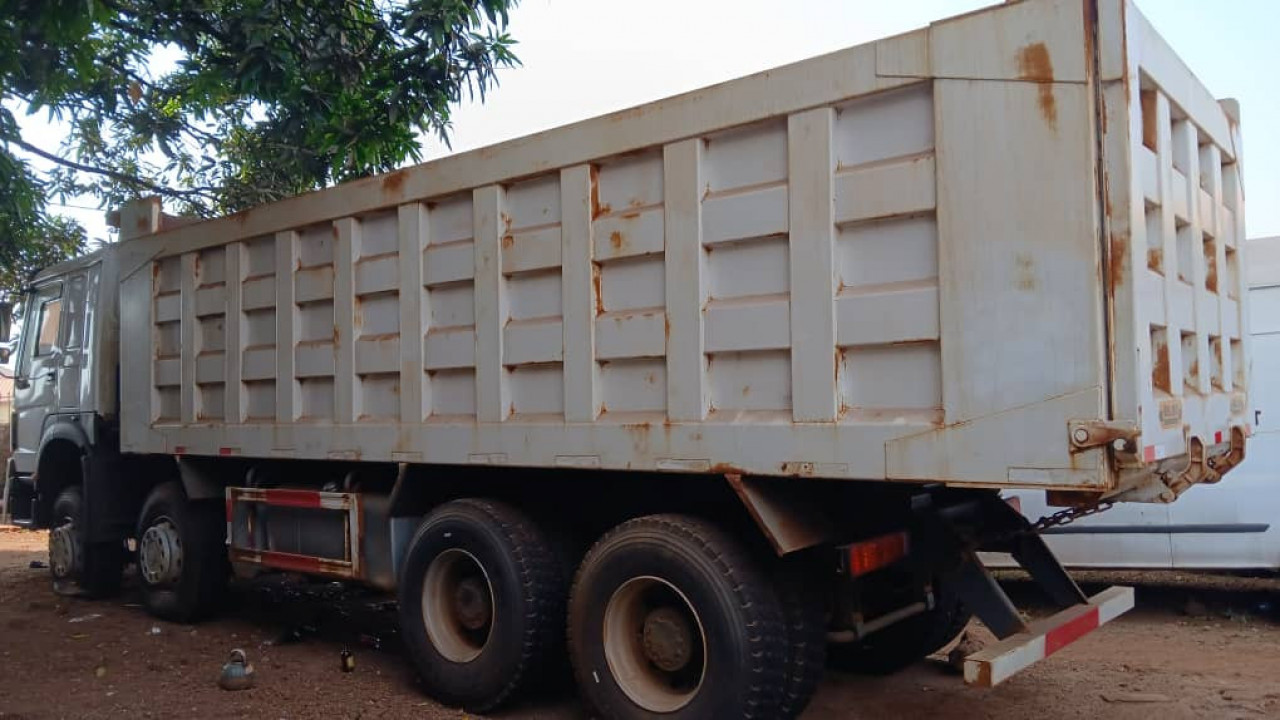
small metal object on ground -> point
(348, 661)
(237, 673)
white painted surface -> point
(881, 263)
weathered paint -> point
(793, 274)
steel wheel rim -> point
(457, 605)
(62, 550)
(655, 644)
(160, 556)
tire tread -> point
(754, 596)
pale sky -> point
(587, 57)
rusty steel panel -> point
(926, 258)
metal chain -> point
(1070, 515)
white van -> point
(1233, 525)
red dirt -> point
(1221, 660)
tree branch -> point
(113, 174)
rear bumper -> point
(996, 663)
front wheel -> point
(78, 567)
(669, 616)
(182, 557)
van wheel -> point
(669, 616)
(482, 601)
(905, 642)
(182, 557)
(94, 570)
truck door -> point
(35, 387)
(74, 316)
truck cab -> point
(64, 436)
(60, 407)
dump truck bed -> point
(1003, 250)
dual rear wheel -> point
(667, 615)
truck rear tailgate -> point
(1175, 209)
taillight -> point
(869, 555)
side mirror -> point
(6, 326)
(6, 321)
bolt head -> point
(1081, 435)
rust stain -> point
(506, 222)
(507, 241)
(1119, 251)
(746, 390)
(595, 282)
(1026, 272)
(393, 183)
(1155, 259)
(727, 469)
(616, 240)
(597, 209)
(630, 215)
(1035, 65)
(650, 378)
(1160, 368)
(1210, 267)
(1194, 371)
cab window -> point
(50, 324)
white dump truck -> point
(695, 393)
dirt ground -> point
(1198, 645)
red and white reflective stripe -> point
(294, 563)
(997, 663)
(294, 498)
(1152, 453)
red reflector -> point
(180, 450)
(876, 553)
(1217, 437)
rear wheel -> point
(802, 597)
(77, 567)
(905, 642)
(481, 603)
(182, 557)
(669, 616)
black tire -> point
(94, 570)
(906, 642)
(802, 596)
(486, 547)
(198, 586)
(739, 668)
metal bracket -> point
(1203, 468)
(1121, 437)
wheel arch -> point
(59, 464)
